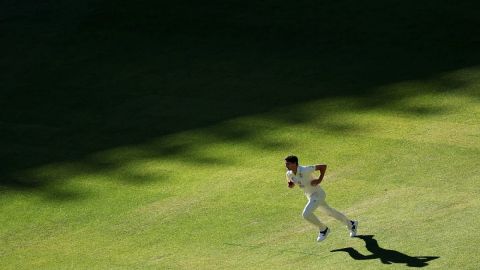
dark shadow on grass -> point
(386, 256)
(81, 77)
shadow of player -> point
(386, 256)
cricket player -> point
(303, 176)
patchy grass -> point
(221, 201)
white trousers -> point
(317, 200)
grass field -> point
(147, 135)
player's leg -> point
(308, 215)
(324, 207)
(351, 224)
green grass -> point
(150, 135)
(410, 179)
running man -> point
(303, 176)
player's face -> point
(290, 165)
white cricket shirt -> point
(303, 179)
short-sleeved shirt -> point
(303, 179)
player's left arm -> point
(322, 168)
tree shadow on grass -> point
(82, 77)
(386, 256)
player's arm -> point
(291, 184)
(322, 168)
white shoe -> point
(353, 229)
(323, 234)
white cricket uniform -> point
(316, 197)
(303, 179)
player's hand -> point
(291, 184)
(315, 182)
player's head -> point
(291, 162)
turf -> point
(151, 136)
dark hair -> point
(292, 158)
